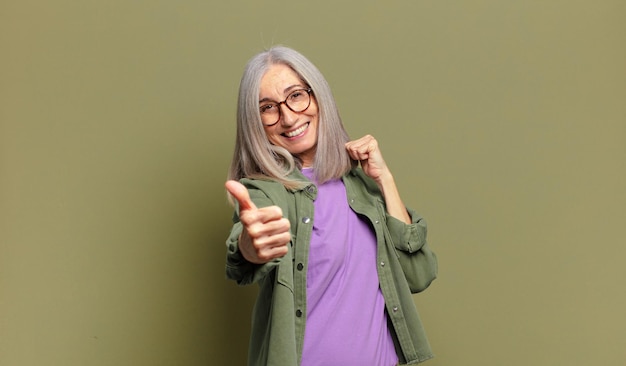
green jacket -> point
(406, 265)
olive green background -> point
(504, 123)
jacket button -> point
(395, 308)
(382, 264)
(306, 220)
(300, 266)
(298, 313)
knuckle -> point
(254, 231)
(247, 218)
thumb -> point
(240, 192)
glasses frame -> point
(280, 111)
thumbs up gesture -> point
(265, 232)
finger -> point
(260, 216)
(269, 253)
(268, 230)
(363, 145)
(365, 140)
(275, 241)
(268, 247)
(358, 152)
(240, 192)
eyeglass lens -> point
(298, 101)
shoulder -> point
(265, 185)
(265, 191)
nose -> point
(287, 116)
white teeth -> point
(297, 132)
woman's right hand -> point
(265, 234)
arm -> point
(395, 206)
(406, 229)
(418, 261)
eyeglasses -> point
(297, 101)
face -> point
(296, 132)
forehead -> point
(278, 79)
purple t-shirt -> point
(346, 320)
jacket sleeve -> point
(418, 261)
(237, 267)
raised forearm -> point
(395, 206)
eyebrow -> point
(285, 91)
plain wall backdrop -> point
(504, 123)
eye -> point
(267, 108)
(298, 94)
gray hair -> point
(255, 156)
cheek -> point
(272, 138)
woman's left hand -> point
(367, 152)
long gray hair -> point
(255, 156)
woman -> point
(334, 250)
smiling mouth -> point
(297, 132)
